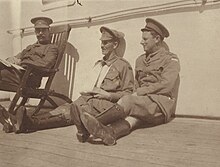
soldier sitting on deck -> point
(157, 82)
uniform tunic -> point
(119, 81)
(156, 82)
(36, 54)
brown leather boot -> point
(96, 125)
(14, 122)
(121, 128)
(97, 129)
(82, 134)
(52, 121)
(108, 134)
(18, 120)
(4, 116)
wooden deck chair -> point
(59, 37)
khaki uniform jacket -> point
(39, 55)
(157, 76)
(119, 81)
(36, 54)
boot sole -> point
(96, 129)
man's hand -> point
(87, 93)
(134, 94)
(101, 94)
(14, 60)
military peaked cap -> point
(41, 22)
(154, 25)
(110, 34)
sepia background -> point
(194, 37)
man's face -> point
(43, 35)
(108, 46)
(148, 41)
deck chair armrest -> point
(42, 71)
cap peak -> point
(41, 22)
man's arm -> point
(15, 59)
(166, 83)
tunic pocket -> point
(111, 76)
(112, 80)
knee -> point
(126, 102)
(80, 101)
(63, 109)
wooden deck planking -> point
(182, 142)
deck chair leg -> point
(13, 103)
(39, 106)
(24, 100)
(22, 103)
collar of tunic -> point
(154, 56)
(111, 59)
(37, 44)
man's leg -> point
(58, 117)
(11, 76)
(134, 108)
(97, 126)
(9, 79)
(95, 107)
(82, 104)
(108, 133)
(82, 133)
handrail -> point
(162, 9)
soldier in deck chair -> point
(112, 78)
(154, 101)
(42, 54)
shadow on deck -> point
(184, 142)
